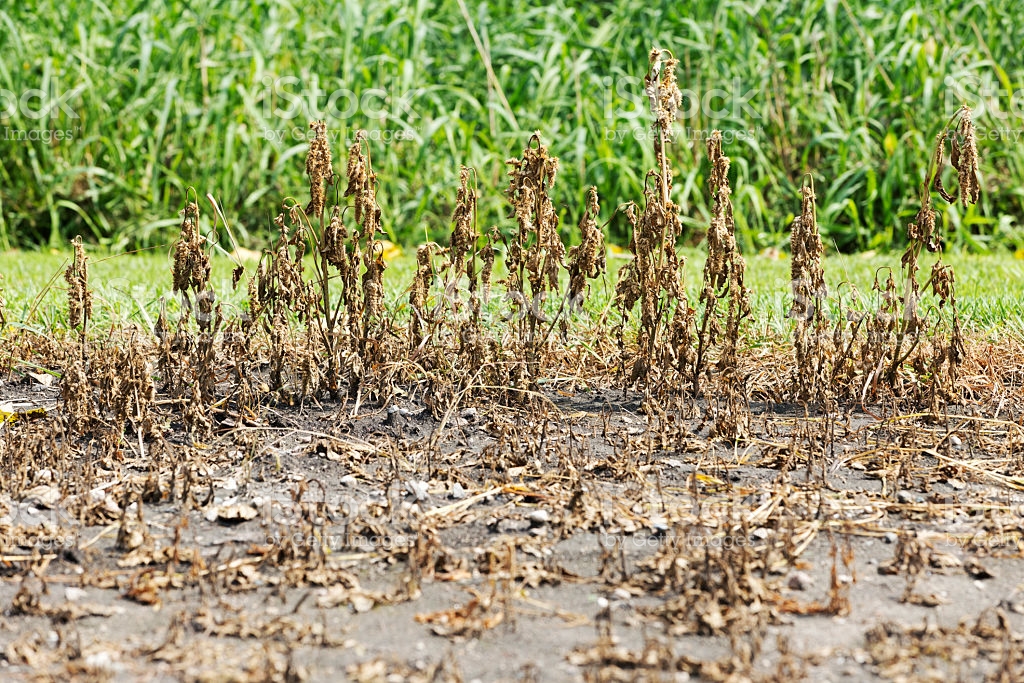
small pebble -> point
(394, 418)
(905, 497)
(101, 660)
(538, 517)
(890, 537)
(955, 441)
(348, 480)
(417, 489)
(74, 593)
(800, 581)
(458, 493)
(1015, 606)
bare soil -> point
(574, 539)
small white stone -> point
(102, 661)
(540, 516)
(74, 593)
(417, 488)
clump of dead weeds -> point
(188, 352)
(324, 333)
(987, 647)
(723, 279)
(654, 276)
(811, 334)
(534, 257)
(903, 345)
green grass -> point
(129, 290)
(175, 94)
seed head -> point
(463, 237)
(79, 296)
(191, 262)
(662, 90)
(965, 159)
(318, 168)
(588, 258)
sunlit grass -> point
(129, 290)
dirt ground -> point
(576, 539)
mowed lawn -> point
(130, 289)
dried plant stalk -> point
(447, 336)
(949, 355)
(188, 359)
(76, 390)
(418, 294)
(362, 185)
(810, 338)
(79, 297)
(963, 158)
(535, 254)
(125, 382)
(653, 278)
(3, 305)
(278, 291)
(723, 277)
(343, 312)
(588, 259)
(463, 241)
(318, 168)
(191, 270)
(922, 234)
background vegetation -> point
(173, 94)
